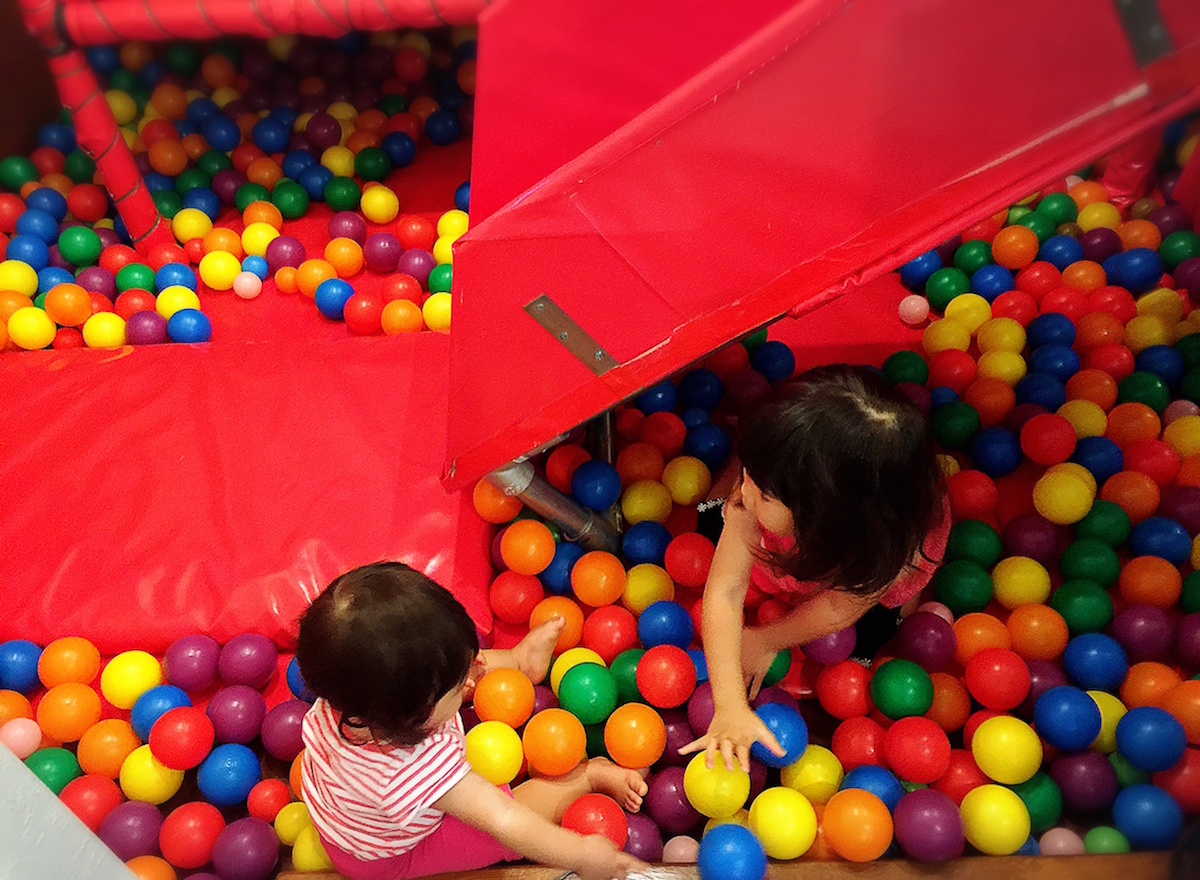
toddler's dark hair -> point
(383, 643)
(854, 461)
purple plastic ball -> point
(743, 387)
(679, 734)
(382, 252)
(1170, 218)
(237, 713)
(469, 717)
(225, 184)
(1166, 184)
(645, 840)
(249, 659)
(348, 224)
(284, 251)
(543, 698)
(947, 248)
(1088, 781)
(1182, 503)
(1100, 243)
(108, 237)
(1144, 631)
(1187, 277)
(1187, 642)
(831, 649)
(775, 694)
(758, 779)
(57, 260)
(246, 849)
(700, 708)
(281, 728)
(417, 263)
(918, 395)
(146, 328)
(1020, 414)
(131, 829)
(98, 279)
(667, 804)
(191, 662)
(1032, 535)
(323, 131)
(928, 826)
(927, 640)
(1043, 675)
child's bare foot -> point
(626, 787)
(534, 652)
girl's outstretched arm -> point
(824, 614)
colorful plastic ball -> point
(30, 328)
(833, 648)
(145, 778)
(995, 451)
(917, 749)
(181, 737)
(877, 780)
(635, 736)
(131, 829)
(995, 820)
(1006, 749)
(91, 798)
(1100, 455)
(665, 623)
(267, 798)
(1095, 661)
(555, 742)
(900, 688)
(189, 325)
(717, 792)
(774, 359)
(127, 676)
(816, 774)
(494, 751)
(858, 826)
(248, 659)
(188, 833)
(790, 731)
(730, 852)
(588, 691)
(281, 729)
(237, 712)
(66, 711)
(246, 849)
(228, 774)
(21, 736)
(784, 822)
(1067, 718)
(151, 705)
(927, 639)
(596, 485)
(191, 662)
(666, 676)
(1151, 739)
(1148, 817)
(19, 665)
(1159, 536)
(527, 547)
(331, 296)
(928, 826)
(290, 821)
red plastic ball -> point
(415, 232)
(67, 337)
(664, 430)
(182, 737)
(610, 630)
(1157, 459)
(666, 676)
(514, 596)
(858, 741)
(688, 558)
(1066, 301)
(91, 798)
(952, 368)
(87, 202)
(961, 776)
(917, 749)
(12, 206)
(1048, 439)
(1182, 781)
(402, 286)
(362, 313)
(1115, 300)
(997, 678)
(132, 300)
(116, 257)
(973, 495)
(267, 798)
(1116, 360)
(597, 814)
(1037, 279)
(1016, 304)
(972, 725)
(844, 690)
(187, 835)
(100, 303)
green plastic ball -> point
(912, 786)
(168, 201)
(290, 198)
(963, 586)
(1127, 774)
(372, 163)
(778, 669)
(16, 171)
(229, 49)
(213, 161)
(124, 80)
(1189, 349)
(901, 688)
(392, 104)
(975, 541)
(192, 178)
(624, 673)
(40, 300)
(1043, 799)
(135, 275)
(589, 692)
(79, 246)
(1107, 521)
(945, 284)
(1041, 225)
(1189, 601)
(1092, 560)
(595, 741)
(1189, 385)
(54, 766)
(906, 366)
(79, 167)
(1105, 839)
(972, 256)
(755, 339)
(342, 194)
(1016, 212)
(1147, 388)
(249, 193)
(1084, 605)
(1059, 207)
(1179, 246)
(954, 424)
(440, 278)
(183, 59)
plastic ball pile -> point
(238, 144)
(177, 764)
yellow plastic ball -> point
(568, 660)
(290, 821)
(1194, 559)
(784, 822)
(145, 778)
(1181, 329)
(223, 95)
(416, 40)
(342, 110)
(494, 751)
(281, 45)
(971, 310)
(1001, 334)
(1098, 215)
(1019, 580)
(717, 792)
(1087, 418)
(339, 160)
(948, 464)
(379, 204)
(218, 269)
(1162, 301)
(1144, 331)
(1070, 467)
(256, 237)
(31, 328)
(1007, 750)
(129, 675)
(123, 107)
(1112, 711)
(646, 500)
(189, 223)
(172, 299)
(1183, 435)
(1062, 497)
(645, 584)
(688, 479)
(18, 276)
(308, 853)
(104, 330)
(1007, 366)
(945, 334)
(453, 223)
(443, 249)
(741, 817)
(436, 312)
(995, 820)
(1183, 153)
(817, 774)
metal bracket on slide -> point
(574, 339)
(1148, 35)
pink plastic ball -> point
(1177, 409)
(914, 309)
(681, 850)
(1061, 842)
(247, 285)
(939, 609)
(21, 736)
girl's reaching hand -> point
(757, 658)
(733, 731)
(599, 859)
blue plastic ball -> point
(1138, 269)
(774, 360)
(1057, 360)
(442, 127)
(1161, 360)
(878, 780)
(48, 201)
(296, 683)
(175, 275)
(38, 224)
(1148, 817)
(331, 297)
(257, 265)
(184, 127)
(556, 577)
(462, 196)
(189, 325)
(1161, 536)
(103, 59)
(314, 180)
(710, 443)
(695, 416)
(645, 542)
(200, 110)
(296, 163)
(204, 199)
(1094, 661)
(790, 731)
(51, 277)
(1151, 739)
(697, 655)
(1067, 718)
(1043, 389)
(57, 136)
(18, 665)
(595, 484)
(916, 271)
(941, 395)
(996, 451)
(270, 135)
(731, 852)
(228, 773)
(399, 147)
(1029, 848)
(700, 388)
(151, 72)
(1099, 455)
(154, 703)
(1051, 328)
(992, 280)
(1060, 251)
(156, 182)
(665, 623)
(28, 249)
(221, 132)
(659, 397)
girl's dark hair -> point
(854, 461)
(383, 644)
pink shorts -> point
(454, 846)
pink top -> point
(375, 801)
(906, 585)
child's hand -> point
(757, 658)
(740, 521)
(599, 859)
(733, 731)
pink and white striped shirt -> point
(375, 801)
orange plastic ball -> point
(976, 631)
(361, 139)
(135, 55)
(1096, 386)
(401, 316)
(245, 153)
(13, 705)
(569, 611)
(1038, 632)
(993, 399)
(639, 461)
(1189, 471)
(221, 239)
(68, 305)
(285, 280)
(1015, 247)
(105, 746)
(70, 658)
(151, 868)
(1084, 275)
(493, 505)
(1151, 580)
(1086, 192)
(264, 171)
(504, 695)
(598, 578)
(345, 255)
(169, 101)
(311, 273)
(262, 212)
(857, 823)
(1098, 328)
(11, 300)
(951, 705)
(1137, 494)
(168, 157)
(1128, 422)
(66, 711)
(370, 120)
(1139, 234)
(195, 144)
(555, 742)
(1184, 703)
(217, 70)
(1148, 683)
(635, 735)
(527, 546)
